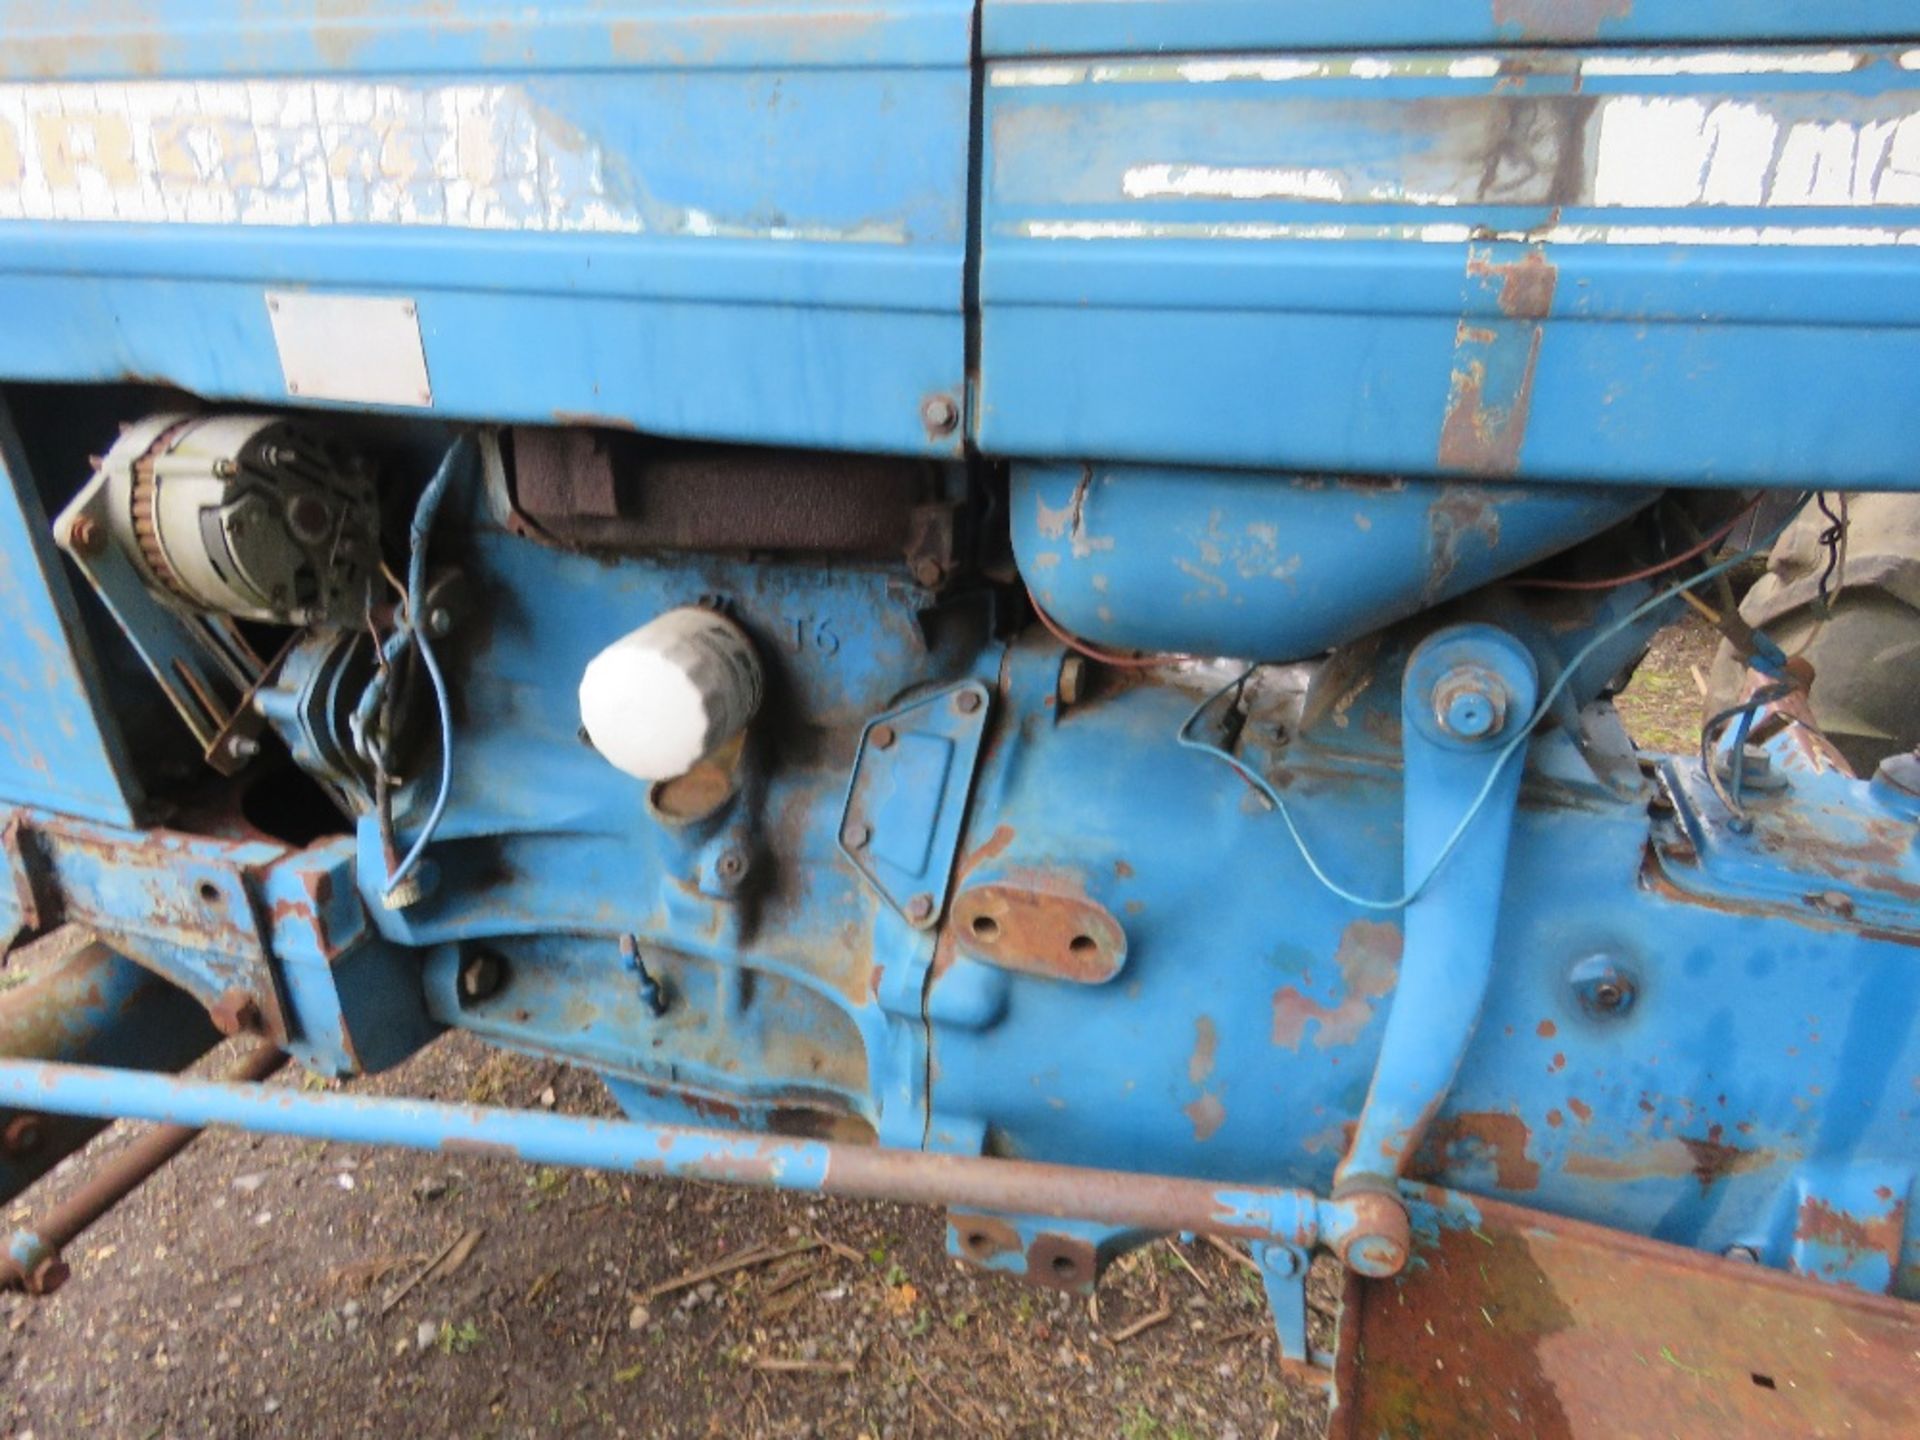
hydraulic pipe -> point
(32, 1257)
(1145, 1202)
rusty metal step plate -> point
(1509, 1322)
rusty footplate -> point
(1509, 1322)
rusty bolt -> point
(85, 535)
(928, 572)
(1470, 703)
(967, 702)
(236, 1012)
(1073, 680)
(856, 835)
(939, 414)
(481, 975)
(22, 1135)
(48, 1276)
(920, 909)
(882, 737)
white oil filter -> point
(659, 700)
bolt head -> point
(481, 976)
(920, 909)
(1470, 704)
(967, 702)
(881, 737)
(939, 414)
(86, 536)
(731, 865)
(1604, 988)
(928, 572)
(856, 835)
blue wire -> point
(413, 628)
(1186, 739)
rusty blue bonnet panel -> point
(1692, 265)
(741, 221)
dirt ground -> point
(260, 1287)
(264, 1287)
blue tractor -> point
(1004, 603)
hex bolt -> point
(481, 975)
(22, 1135)
(236, 1012)
(1743, 1254)
(1073, 680)
(85, 536)
(1604, 989)
(856, 835)
(881, 737)
(967, 702)
(939, 414)
(1470, 703)
(920, 909)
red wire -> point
(1105, 657)
(1665, 565)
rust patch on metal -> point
(992, 847)
(1043, 925)
(1558, 19)
(483, 1149)
(1206, 1043)
(1368, 959)
(1457, 513)
(1207, 1113)
(1486, 1136)
(1526, 284)
(982, 1237)
(1511, 1323)
(1490, 394)
(1580, 1108)
(1820, 1224)
(1062, 1262)
(1705, 1159)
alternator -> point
(253, 516)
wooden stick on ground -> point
(759, 1255)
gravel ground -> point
(264, 1287)
(260, 1287)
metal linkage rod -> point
(1146, 1202)
(32, 1260)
